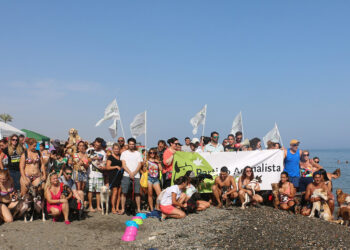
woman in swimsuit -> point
(57, 203)
(328, 182)
(7, 196)
(286, 192)
(80, 166)
(307, 168)
(244, 187)
(32, 167)
(45, 154)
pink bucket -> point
(127, 237)
(131, 231)
(136, 217)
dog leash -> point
(114, 179)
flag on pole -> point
(198, 119)
(111, 112)
(273, 135)
(113, 129)
(138, 125)
(237, 124)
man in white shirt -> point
(214, 145)
(132, 162)
(186, 147)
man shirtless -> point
(316, 184)
(224, 187)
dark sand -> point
(253, 228)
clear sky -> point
(62, 62)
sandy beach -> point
(212, 229)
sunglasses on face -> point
(305, 154)
(295, 145)
(248, 171)
(152, 153)
(177, 144)
(68, 173)
(216, 136)
(14, 140)
(120, 141)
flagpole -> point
(146, 132)
(120, 119)
(205, 119)
(242, 125)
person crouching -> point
(173, 199)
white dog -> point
(252, 185)
(104, 193)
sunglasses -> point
(295, 145)
(120, 140)
(215, 137)
(14, 140)
(68, 173)
(248, 171)
(177, 144)
(305, 154)
(152, 153)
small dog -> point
(252, 184)
(344, 213)
(275, 192)
(342, 197)
(104, 192)
(23, 207)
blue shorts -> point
(153, 180)
(295, 181)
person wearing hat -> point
(292, 158)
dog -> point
(322, 207)
(38, 201)
(104, 193)
(23, 207)
(275, 192)
(342, 198)
(251, 185)
(344, 213)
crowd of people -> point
(74, 172)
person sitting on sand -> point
(173, 199)
(192, 195)
(316, 184)
(245, 188)
(56, 202)
(224, 187)
(7, 196)
(286, 192)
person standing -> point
(214, 145)
(131, 162)
(186, 147)
(291, 162)
(121, 142)
(95, 177)
(13, 154)
(231, 143)
(168, 158)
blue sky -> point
(63, 62)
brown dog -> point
(276, 199)
(344, 213)
(342, 197)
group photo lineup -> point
(175, 125)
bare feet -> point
(219, 205)
(99, 209)
(121, 212)
(114, 212)
(92, 210)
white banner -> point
(111, 112)
(198, 119)
(237, 124)
(265, 163)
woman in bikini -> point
(80, 166)
(286, 192)
(154, 167)
(244, 187)
(32, 167)
(328, 182)
(45, 154)
(7, 196)
(57, 203)
(307, 168)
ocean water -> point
(329, 161)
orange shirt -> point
(167, 168)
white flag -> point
(113, 129)
(138, 125)
(273, 135)
(111, 112)
(198, 119)
(237, 124)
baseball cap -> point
(195, 140)
(294, 141)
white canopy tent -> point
(7, 130)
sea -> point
(329, 161)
